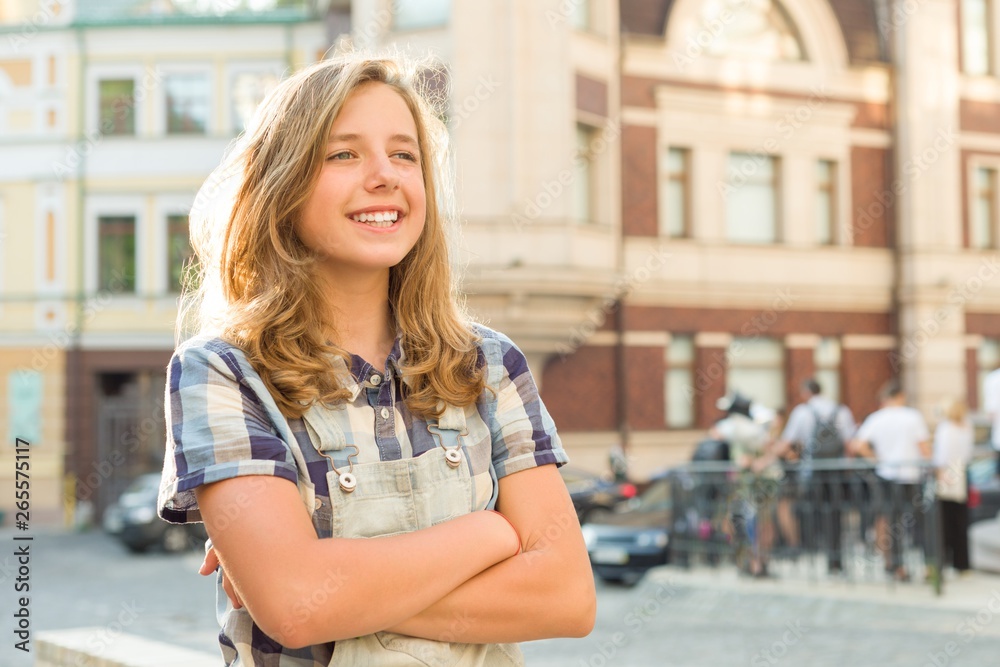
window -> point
(580, 17)
(751, 198)
(826, 207)
(984, 212)
(249, 90)
(116, 253)
(117, 106)
(757, 370)
(826, 359)
(976, 47)
(680, 382)
(187, 103)
(751, 29)
(988, 359)
(179, 252)
(414, 14)
(675, 222)
(583, 183)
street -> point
(673, 617)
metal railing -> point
(830, 517)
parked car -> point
(592, 494)
(626, 543)
(133, 520)
(984, 490)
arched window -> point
(758, 29)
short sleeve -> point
(524, 435)
(796, 429)
(217, 428)
(865, 432)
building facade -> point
(111, 116)
(662, 201)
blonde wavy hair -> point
(253, 283)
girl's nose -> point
(381, 174)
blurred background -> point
(662, 202)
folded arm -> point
(302, 590)
(546, 591)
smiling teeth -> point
(379, 219)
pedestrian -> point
(757, 484)
(896, 437)
(342, 428)
(953, 445)
(818, 428)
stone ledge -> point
(80, 647)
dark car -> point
(984, 490)
(626, 543)
(133, 520)
(592, 494)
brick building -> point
(821, 178)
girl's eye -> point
(405, 156)
(342, 155)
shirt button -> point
(375, 379)
(384, 413)
(318, 504)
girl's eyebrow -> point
(349, 138)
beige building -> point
(111, 116)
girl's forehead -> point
(375, 104)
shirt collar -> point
(362, 372)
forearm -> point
(376, 583)
(538, 594)
(303, 590)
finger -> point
(231, 593)
(210, 564)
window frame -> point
(667, 178)
(991, 46)
(166, 206)
(777, 166)
(732, 357)
(832, 190)
(235, 69)
(160, 114)
(975, 163)
(823, 368)
(591, 174)
(689, 367)
(98, 73)
(101, 206)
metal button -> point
(375, 379)
(384, 413)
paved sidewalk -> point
(674, 617)
(712, 617)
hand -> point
(209, 566)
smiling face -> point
(368, 206)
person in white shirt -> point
(991, 405)
(896, 436)
(953, 445)
(796, 441)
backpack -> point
(826, 442)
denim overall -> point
(384, 498)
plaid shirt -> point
(223, 423)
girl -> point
(338, 425)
